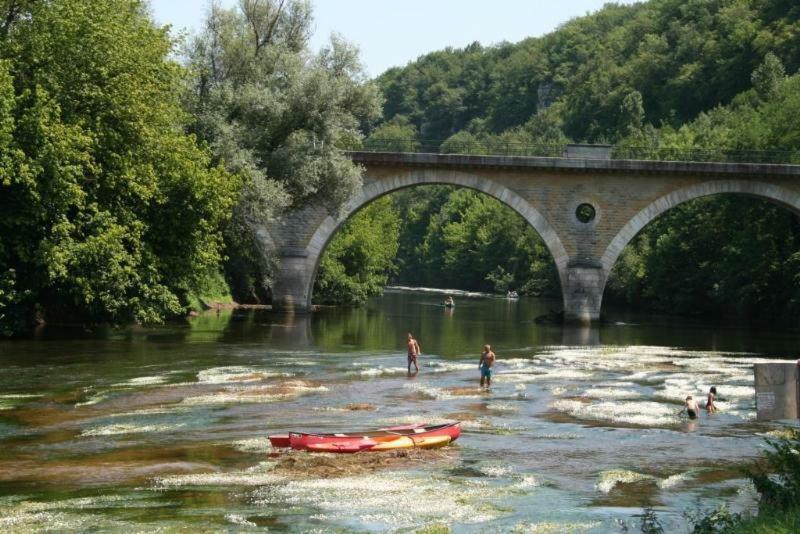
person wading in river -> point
(413, 352)
(690, 407)
(485, 365)
(712, 394)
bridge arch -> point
(384, 186)
(772, 192)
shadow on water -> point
(382, 323)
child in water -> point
(712, 394)
(690, 407)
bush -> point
(719, 521)
(777, 479)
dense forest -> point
(435, 236)
(135, 166)
(651, 62)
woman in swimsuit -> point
(712, 394)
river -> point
(165, 428)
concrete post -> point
(584, 282)
(292, 287)
(776, 390)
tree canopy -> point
(662, 60)
(111, 212)
(277, 115)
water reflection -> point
(580, 335)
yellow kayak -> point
(407, 442)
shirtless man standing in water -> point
(413, 352)
(485, 365)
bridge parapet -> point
(580, 151)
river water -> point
(166, 428)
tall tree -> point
(110, 211)
(277, 115)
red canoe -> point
(382, 444)
(300, 440)
(282, 440)
(343, 447)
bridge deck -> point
(576, 165)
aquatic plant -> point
(777, 479)
(650, 523)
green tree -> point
(111, 213)
(731, 252)
(683, 58)
(417, 205)
(360, 259)
(278, 116)
(768, 76)
(631, 112)
(463, 143)
(462, 239)
(396, 135)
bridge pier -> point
(291, 291)
(583, 284)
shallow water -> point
(164, 428)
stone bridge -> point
(585, 208)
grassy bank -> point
(772, 522)
(212, 292)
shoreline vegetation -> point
(776, 477)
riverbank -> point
(772, 522)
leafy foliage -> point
(778, 481)
(662, 60)
(360, 259)
(719, 521)
(731, 253)
(468, 240)
(736, 255)
(396, 135)
(776, 477)
(110, 211)
(277, 116)
(437, 236)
